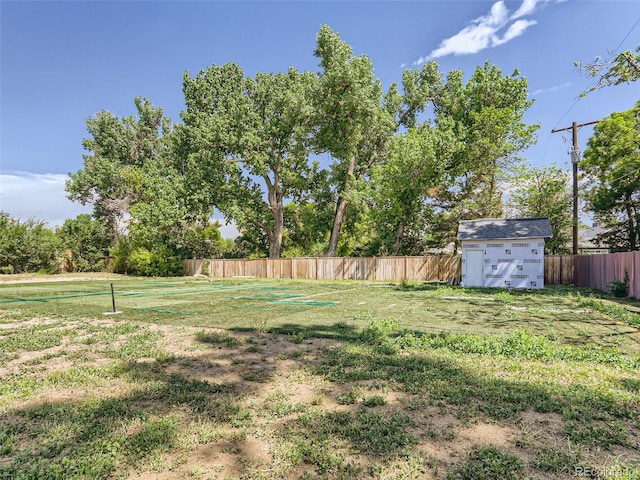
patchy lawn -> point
(257, 379)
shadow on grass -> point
(94, 438)
(99, 438)
(624, 310)
(441, 381)
(420, 286)
(337, 331)
(320, 439)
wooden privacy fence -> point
(598, 271)
(558, 268)
(432, 268)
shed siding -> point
(509, 263)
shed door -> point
(475, 268)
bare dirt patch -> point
(60, 277)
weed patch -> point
(32, 339)
(489, 463)
(137, 346)
(518, 344)
(216, 338)
(557, 459)
(614, 311)
(323, 440)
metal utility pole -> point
(575, 158)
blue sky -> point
(61, 62)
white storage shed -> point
(506, 253)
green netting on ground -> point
(146, 293)
(163, 310)
(272, 308)
(52, 298)
(310, 303)
(263, 296)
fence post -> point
(375, 267)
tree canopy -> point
(485, 115)
(250, 143)
(27, 246)
(544, 192)
(319, 162)
(113, 175)
(611, 168)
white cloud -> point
(550, 89)
(40, 196)
(515, 30)
(527, 8)
(486, 31)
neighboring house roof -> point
(587, 236)
(491, 228)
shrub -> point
(619, 288)
(155, 264)
(120, 256)
(27, 246)
(7, 270)
(378, 331)
(88, 242)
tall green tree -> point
(113, 176)
(249, 139)
(486, 114)
(167, 216)
(611, 168)
(137, 182)
(308, 220)
(544, 192)
(356, 119)
(405, 185)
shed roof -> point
(491, 228)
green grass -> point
(489, 463)
(299, 379)
(303, 306)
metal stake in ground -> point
(113, 303)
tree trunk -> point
(275, 199)
(275, 239)
(631, 227)
(337, 226)
(341, 209)
(400, 230)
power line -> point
(632, 172)
(575, 154)
(627, 35)
(593, 80)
